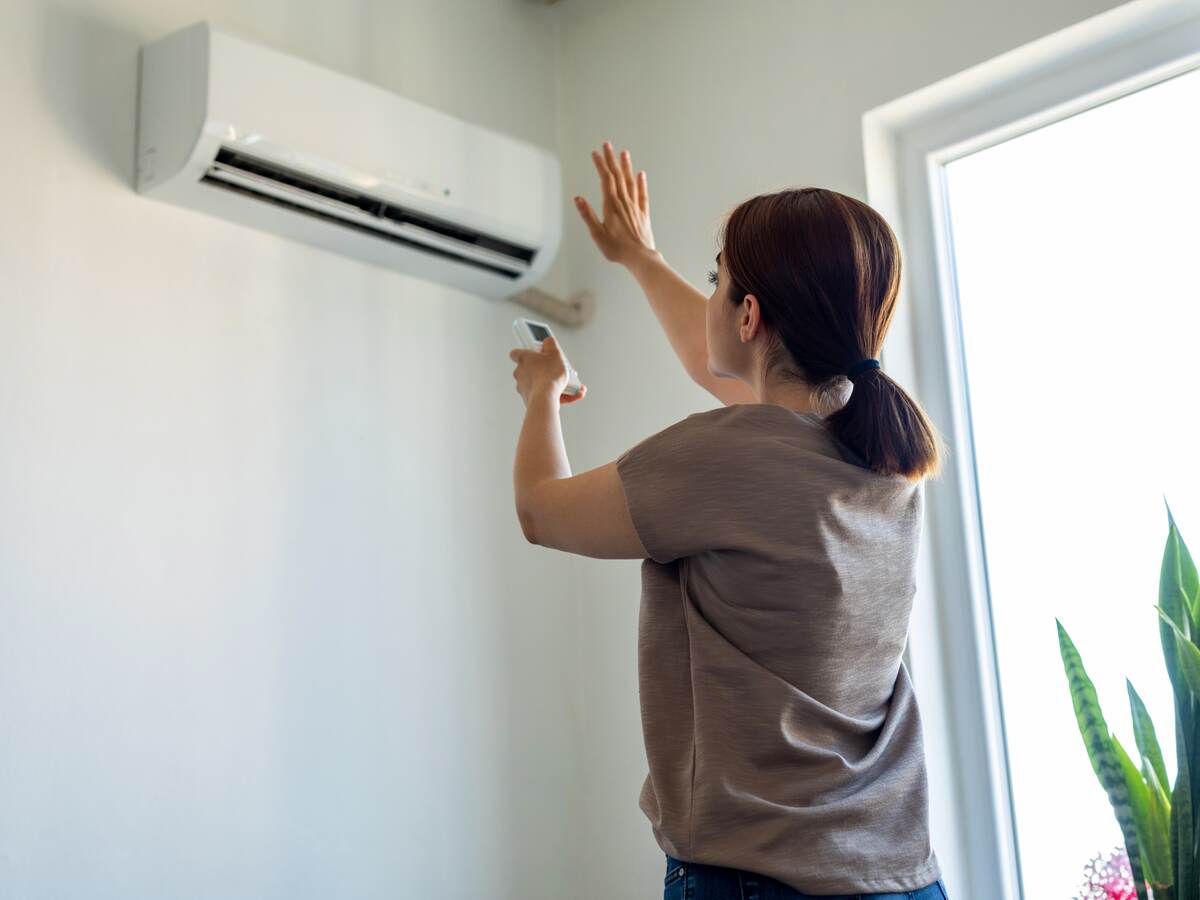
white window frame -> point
(906, 144)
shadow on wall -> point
(89, 78)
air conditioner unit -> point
(277, 143)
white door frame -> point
(906, 144)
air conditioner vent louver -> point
(301, 192)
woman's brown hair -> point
(826, 271)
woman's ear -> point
(749, 318)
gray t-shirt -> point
(781, 728)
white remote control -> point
(531, 333)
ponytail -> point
(887, 428)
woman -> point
(779, 535)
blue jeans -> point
(696, 881)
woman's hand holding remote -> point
(624, 235)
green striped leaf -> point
(1176, 616)
(1092, 726)
(1172, 596)
(1187, 655)
(1144, 734)
(1182, 830)
(1099, 745)
(1160, 801)
(1152, 842)
(1189, 580)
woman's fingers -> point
(607, 187)
(614, 167)
(627, 174)
(643, 193)
(588, 214)
(608, 183)
(605, 175)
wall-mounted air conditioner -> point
(268, 140)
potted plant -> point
(1159, 828)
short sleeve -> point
(677, 487)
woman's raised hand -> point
(624, 235)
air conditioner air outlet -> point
(248, 172)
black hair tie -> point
(861, 366)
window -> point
(1044, 201)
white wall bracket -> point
(574, 311)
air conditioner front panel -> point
(266, 139)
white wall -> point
(719, 101)
(268, 624)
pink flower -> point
(1108, 877)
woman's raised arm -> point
(624, 236)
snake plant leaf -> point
(1187, 661)
(1188, 578)
(1172, 595)
(1156, 856)
(1143, 732)
(1088, 714)
(1159, 790)
(1160, 830)
(1180, 664)
(1187, 655)
(1182, 830)
(1175, 579)
(1098, 743)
